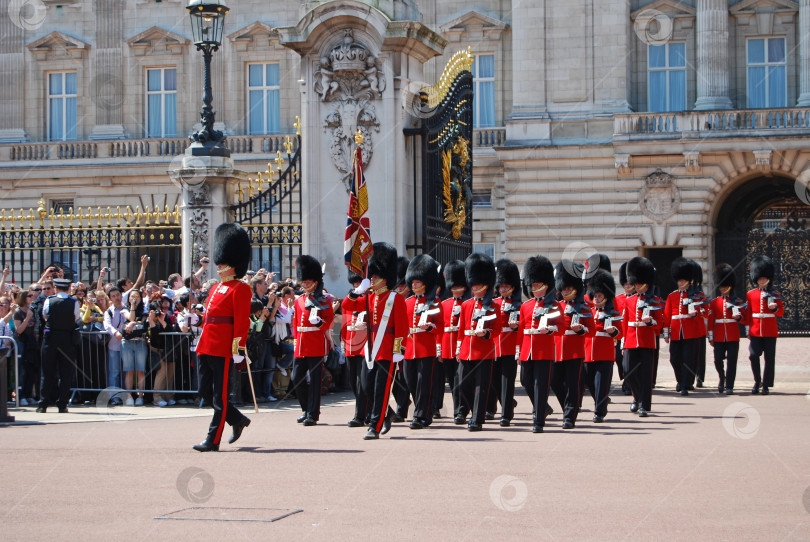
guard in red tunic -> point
(618, 304)
(388, 326)
(764, 307)
(402, 395)
(600, 347)
(507, 284)
(456, 285)
(426, 323)
(536, 348)
(354, 334)
(312, 328)
(227, 321)
(574, 324)
(725, 312)
(701, 300)
(682, 325)
(641, 316)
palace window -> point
(483, 70)
(767, 78)
(62, 106)
(666, 77)
(263, 98)
(482, 198)
(488, 249)
(161, 102)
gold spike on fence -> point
(459, 62)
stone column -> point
(712, 55)
(12, 79)
(804, 53)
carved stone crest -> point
(199, 195)
(660, 198)
(198, 226)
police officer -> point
(61, 314)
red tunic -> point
(477, 348)
(422, 343)
(311, 339)
(677, 322)
(395, 331)
(354, 340)
(570, 344)
(636, 333)
(227, 316)
(600, 346)
(508, 339)
(451, 310)
(722, 325)
(762, 319)
(535, 346)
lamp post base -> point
(209, 148)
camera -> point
(199, 308)
(205, 260)
(108, 270)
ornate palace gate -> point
(446, 210)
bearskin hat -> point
(640, 271)
(681, 269)
(537, 269)
(383, 263)
(232, 247)
(568, 273)
(724, 276)
(354, 277)
(479, 269)
(761, 266)
(423, 268)
(604, 263)
(697, 273)
(506, 272)
(454, 275)
(601, 282)
(441, 286)
(402, 270)
(308, 268)
(623, 274)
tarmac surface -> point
(706, 466)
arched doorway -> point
(765, 216)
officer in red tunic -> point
(725, 313)
(402, 395)
(507, 284)
(600, 347)
(682, 325)
(618, 304)
(701, 301)
(227, 321)
(426, 325)
(477, 334)
(388, 326)
(456, 285)
(641, 316)
(354, 334)
(312, 328)
(536, 351)
(764, 307)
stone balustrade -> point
(699, 124)
(489, 137)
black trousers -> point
(757, 347)
(58, 355)
(402, 395)
(683, 357)
(598, 375)
(700, 359)
(474, 378)
(419, 377)
(308, 390)
(619, 356)
(355, 365)
(565, 383)
(378, 381)
(494, 395)
(438, 385)
(505, 387)
(730, 351)
(655, 359)
(451, 376)
(214, 390)
(535, 377)
(638, 370)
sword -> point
(250, 378)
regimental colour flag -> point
(357, 242)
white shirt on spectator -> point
(112, 324)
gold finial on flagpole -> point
(358, 137)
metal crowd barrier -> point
(4, 417)
(168, 371)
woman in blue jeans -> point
(134, 348)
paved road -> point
(704, 467)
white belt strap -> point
(680, 316)
(304, 329)
(389, 304)
(450, 329)
(416, 330)
(507, 330)
(636, 324)
(602, 334)
(763, 315)
(725, 321)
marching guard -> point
(681, 328)
(618, 303)
(725, 313)
(355, 335)
(600, 347)
(456, 285)
(227, 321)
(764, 307)
(402, 394)
(507, 279)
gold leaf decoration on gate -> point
(455, 163)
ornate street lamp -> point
(207, 23)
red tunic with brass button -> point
(535, 346)
(508, 339)
(422, 343)
(395, 331)
(638, 334)
(478, 348)
(354, 340)
(600, 346)
(677, 319)
(722, 325)
(762, 319)
(311, 339)
(451, 308)
(570, 344)
(227, 316)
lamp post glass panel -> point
(207, 23)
